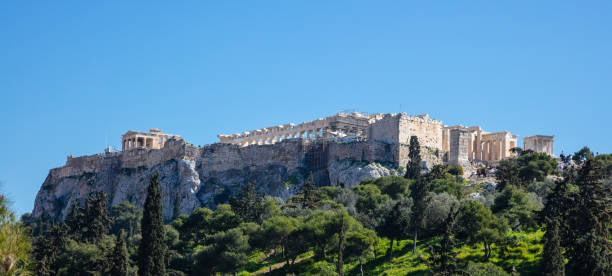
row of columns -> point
(271, 138)
(143, 142)
(544, 146)
(266, 139)
(495, 149)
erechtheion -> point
(154, 139)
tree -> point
(96, 217)
(523, 170)
(119, 258)
(84, 258)
(448, 185)
(360, 247)
(76, 222)
(341, 239)
(343, 224)
(309, 196)
(442, 257)
(47, 248)
(396, 187)
(418, 193)
(320, 228)
(517, 207)
(15, 244)
(151, 250)
(276, 231)
(436, 212)
(413, 168)
(369, 198)
(455, 169)
(438, 171)
(227, 251)
(552, 255)
(507, 173)
(396, 221)
(476, 223)
(249, 205)
(582, 155)
(125, 216)
(484, 269)
(592, 249)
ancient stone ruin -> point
(459, 144)
(340, 150)
(539, 143)
(154, 139)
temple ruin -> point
(539, 143)
(453, 144)
(479, 145)
(154, 139)
(460, 144)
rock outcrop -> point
(191, 176)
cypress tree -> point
(552, 255)
(152, 251)
(554, 215)
(119, 259)
(419, 188)
(96, 218)
(310, 194)
(76, 222)
(413, 168)
(592, 251)
(248, 205)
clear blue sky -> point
(72, 71)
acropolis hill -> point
(339, 150)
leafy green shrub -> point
(485, 269)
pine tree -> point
(413, 168)
(592, 250)
(152, 251)
(119, 259)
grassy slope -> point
(523, 253)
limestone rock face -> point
(348, 173)
(192, 177)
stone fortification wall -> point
(222, 157)
(396, 130)
(428, 130)
(142, 157)
(385, 129)
(362, 151)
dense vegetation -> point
(539, 220)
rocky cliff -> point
(192, 176)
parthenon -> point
(154, 139)
(463, 144)
(340, 125)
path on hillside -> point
(276, 266)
